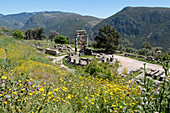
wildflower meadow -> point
(30, 82)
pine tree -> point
(108, 38)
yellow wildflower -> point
(30, 94)
(113, 105)
(85, 106)
(3, 77)
(5, 102)
(69, 96)
(41, 89)
(18, 100)
(14, 93)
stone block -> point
(51, 51)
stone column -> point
(86, 42)
(76, 45)
(80, 41)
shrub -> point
(155, 97)
(101, 70)
(60, 39)
(18, 34)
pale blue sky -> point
(98, 8)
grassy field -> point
(29, 82)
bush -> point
(143, 51)
(155, 97)
(60, 39)
(101, 70)
(36, 34)
(18, 34)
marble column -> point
(76, 45)
(86, 42)
(80, 41)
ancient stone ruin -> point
(80, 33)
(51, 51)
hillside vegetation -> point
(64, 23)
(29, 82)
(139, 24)
(16, 21)
(5, 31)
(38, 85)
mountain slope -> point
(140, 24)
(64, 23)
(17, 21)
(1, 15)
(5, 23)
(5, 31)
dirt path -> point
(57, 59)
(132, 64)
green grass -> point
(131, 76)
(87, 56)
(117, 64)
(65, 63)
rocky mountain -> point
(139, 24)
(62, 22)
(17, 21)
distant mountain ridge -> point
(137, 24)
(17, 21)
(62, 22)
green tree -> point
(39, 33)
(28, 34)
(36, 34)
(146, 45)
(108, 38)
(60, 39)
(53, 33)
(18, 34)
(128, 43)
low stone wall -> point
(51, 51)
(148, 58)
(75, 60)
(103, 51)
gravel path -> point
(57, 59)
(133, 64)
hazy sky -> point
(98, 8)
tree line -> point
(39, 34)
(108, 39)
